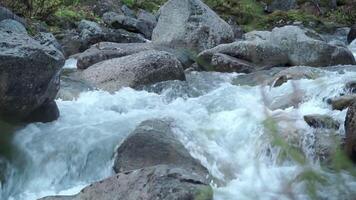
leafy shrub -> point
(37, 9)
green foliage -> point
(313, 178)
(38, 9)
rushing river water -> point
(220, 123)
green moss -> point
(205, 193)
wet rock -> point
(350, 131)
(259, 52)
(3, 169)
(262, 77)
(47, 112)
(283, 5)
(306, 48)
(7, 14)
(342, 102)
(107, 50)
(224, 63)
(321, 121)
(190, 24)
(159, 182)
(350, 87)
(13, 26)
(295, 73)
(352, 34)
(135, 70)
(128, 23)
(72, 86)
(154, 143)
(29, 75)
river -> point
(220, 123)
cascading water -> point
(220, 123)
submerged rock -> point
(350, 130)
(135, 70)
(161, 182)
(29, 76)
(154, 143)
(321, 121)
(342, 102)
(190, 24)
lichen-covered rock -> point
(190, 24)
(135, 70)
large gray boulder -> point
(285, 46)
(29, 76)
(262, 53)
(108, 50)
(190, 24)
(128, 23)
(135, 70)
(308, 49)
(154, 143)
(160, 182)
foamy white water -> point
(221, 124)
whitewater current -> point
(220, 123)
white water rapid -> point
(220, 123)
